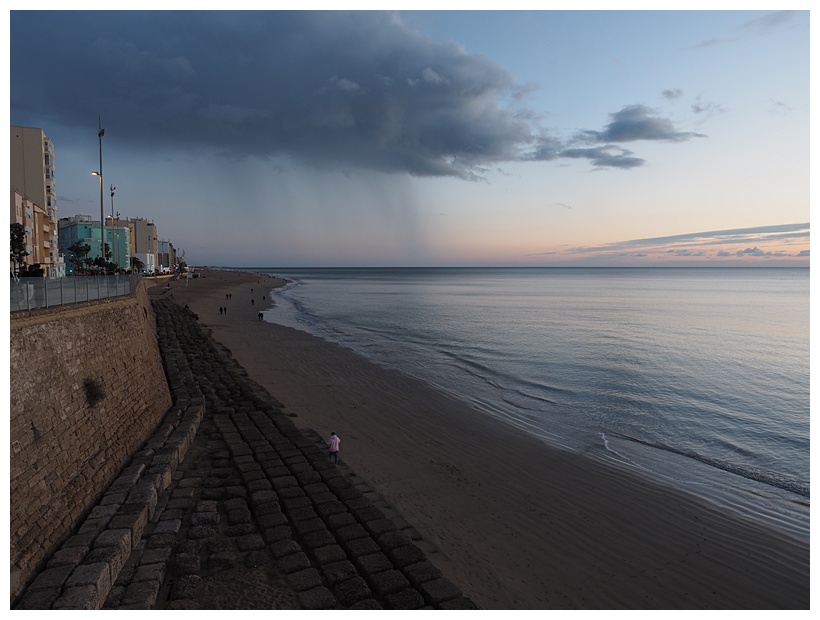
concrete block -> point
(439, 590)
(79, 597)
(361, 546)
(150, 572)
(115, 538)
(373, 563)
(406, 599)
(39, 599)
(51, 578)
(421, 572)
(169, 526)
(338, 572)
(97, 575)
(68, 556)
(292, 563)
(403, 556)
(141, 593)
(351, 591)
(134, 522)
(303, 580)
(388, 582)
(115, 557)
(462, 602)
(317, 598)
(205, 518)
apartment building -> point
(34, 197)
(85, 230)
(166, 256)
(143, 240)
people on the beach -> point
(333, 444)
(259, 316)
(251, 301)
(220, 309)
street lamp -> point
(112, 188)
(100, 134)
(96, 173)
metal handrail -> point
(33, 293)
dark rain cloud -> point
(639, 122)
(330, 89)
(609, 156)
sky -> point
(432, 138)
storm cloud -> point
(639, 122)
(327, 89)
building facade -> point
(166, 256)
(84, 230)
(142, 240)
(34, 197)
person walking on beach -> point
(333, 443)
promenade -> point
(231, 506)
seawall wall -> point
(87, 389)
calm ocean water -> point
(699, 377)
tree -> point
(105, 263)
(136, 264)
(18, 245)
(77, 255)
(33, 271)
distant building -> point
(82, 229)
(142, 244)
(166, 256)
(34, 197)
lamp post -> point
(100, 134)
(96, 173)
(112, 188)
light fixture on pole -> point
(96, 173)
(100, 134)
(112, 188)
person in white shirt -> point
(333, 443)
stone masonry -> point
(229, 505)
(87, 389)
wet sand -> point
(515, 523)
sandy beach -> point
(515, 523)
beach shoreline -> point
(516, 524)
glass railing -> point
(33, 293)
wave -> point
(774, 479)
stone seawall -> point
(230, 506)
(87, 389)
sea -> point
(698, 377)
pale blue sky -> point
(434, 138)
